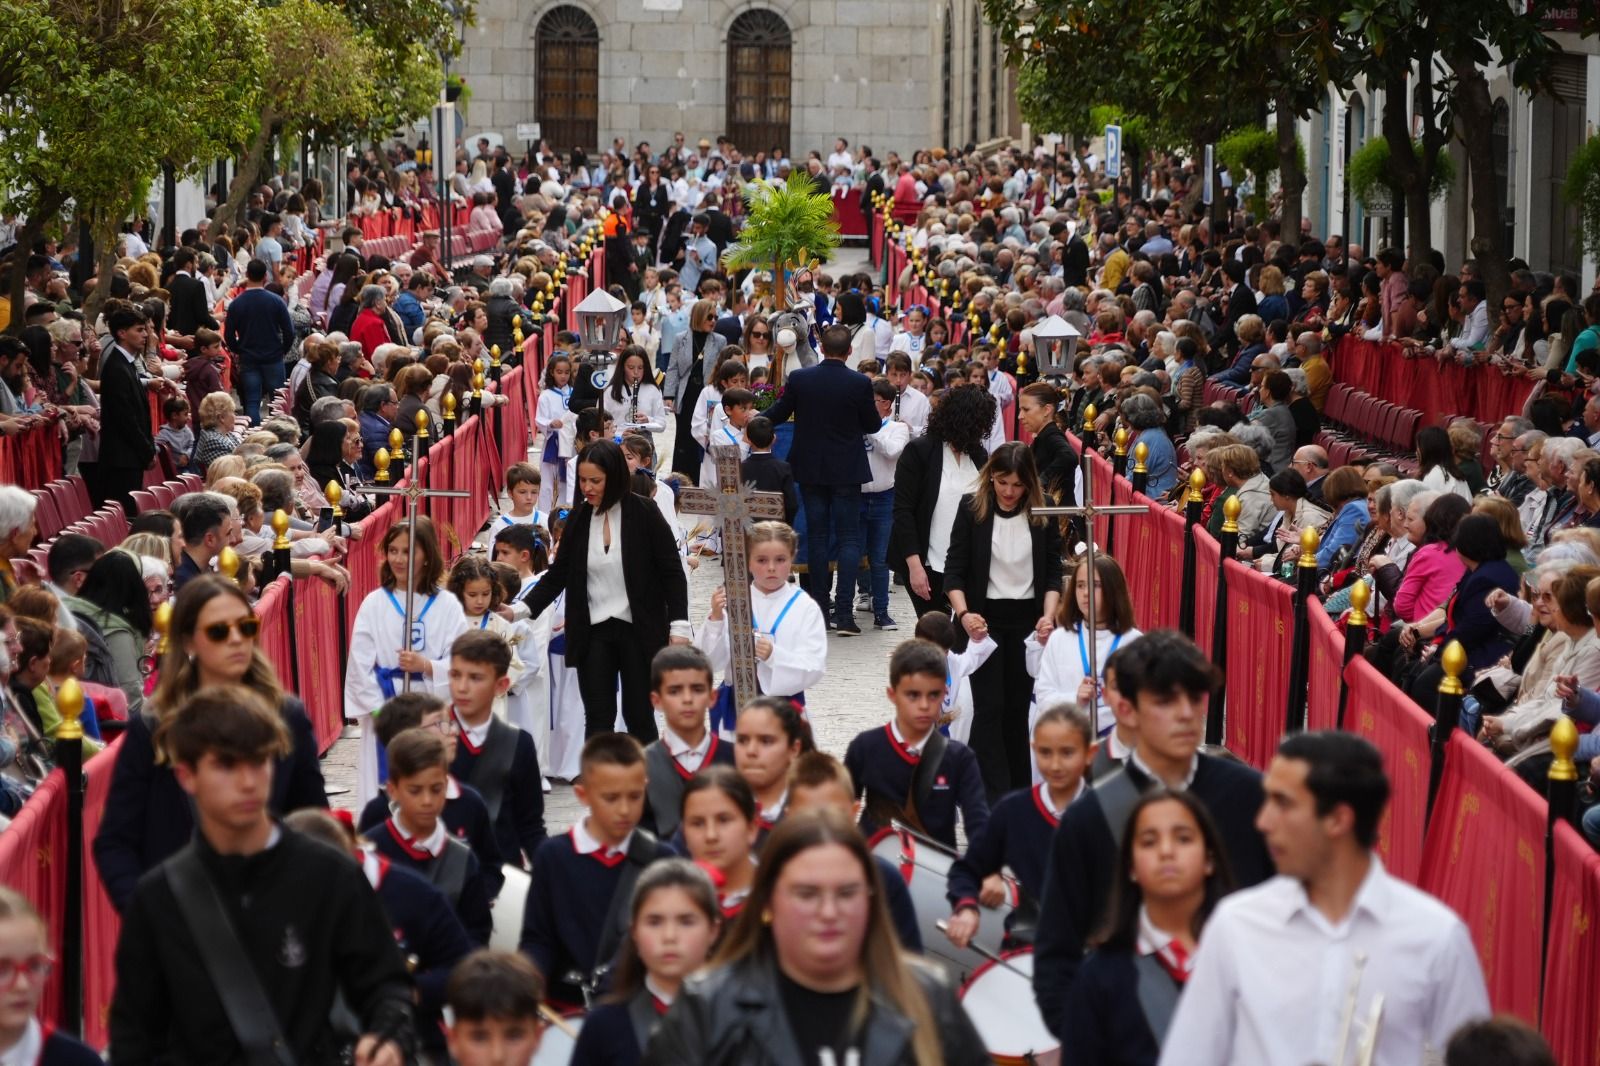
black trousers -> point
(615, 652)
(117, 484)
(936, 599)
(1001, 691)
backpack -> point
(98, 665)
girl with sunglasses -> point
(757, 341)
(25, 965)
(210, 641)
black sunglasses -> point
(247, 628)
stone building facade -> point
(893, 74)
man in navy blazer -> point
(833, 410)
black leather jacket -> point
(734, 1016)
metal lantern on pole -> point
(1055, 343)
(600, 320)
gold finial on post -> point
(228, 563)
(1454, 662)
(494, 355)
(1563, 745)
(380, 463)
(448, 403)
(422, 423)
(69, 701)
(334, 494)
(1141, 455)
(1310, 540)
(1090, 413)
(280, 526)
(516, 330)
(1120, 438)
(1359, 598)
(1230, 514)
(162, 620)
(1197, 485)
(477, 385)
(397, 445)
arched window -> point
(568, 79)
(1500, 139)
(994, 83)
(759, 81)
(947, 132)
(976, 80)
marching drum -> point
(506, 911)
(559, 1041)
(924, 864)
(999, 1000)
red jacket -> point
(369, 330)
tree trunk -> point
(44, 211)
(1409, 184)
(1291, 179)
(244, 178)
(105, 239)
(1474, 112)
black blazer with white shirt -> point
(125, 438)
(189, 310)
(966, 565)
(916, 494)
(658, 592)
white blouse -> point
(957, 477)
(608, 589)
(1011, 559)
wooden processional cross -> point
(413, 492)
(734, 506)
(1088, 512)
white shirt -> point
(957, 478)
(584, 843)
(473, 734)
(883, 452)
(1439, 481)
(26, 1051)
(911, 749)
(1064, 663)
(1011, 559)
(433, 843)
(839, 159)
(912, 408)
(1144, 768)
(690, 757)
(1272, 977)
(608, 589)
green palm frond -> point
(783, 223)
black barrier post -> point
(1090, 413)
(494, 376)
(1119, 468)
(1228, 547)
(1447, 716)
(1141, 472)
(1300, 649)
(1193, 505)
(69, 757)
(1561, 791)
(447, 403)
(1355, 638)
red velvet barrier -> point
(875, 240)
(32, 459)
(317, 644)
(1326, 663)
(1571, 1008)
(897, 266)
(1398, 728)
(101, 924)
(273, 610)
(1260, 613)
(365, 554)
(514, 415)
(1437, 390)
(33, 852)
(1484, 856)
(847, 213)
(1207, 557)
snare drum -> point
(999, 1000)
(557, 1044)
(925, 866)
(506, 911)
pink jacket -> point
(1431, 575)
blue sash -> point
(726, 710)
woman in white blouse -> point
(627, 596)
(1003, 578)
(632, 399)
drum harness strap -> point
(1117, 793)
(642, 850)
(1158, 995)
(494, 766)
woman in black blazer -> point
(1003, 578)
(1053, 454)
(627, 597)
(934, 472)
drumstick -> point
(944, 927)
(557, 1020)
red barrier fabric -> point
(318, 643)
(362, 562)
(1436, 390)
(1571, 1019)
(1260, 615)
(847, 213)
(1384, 715)
(273, 610)
(101, 924)
(875, 239)
(1484, 856)
(1327, 660)
(1207, 558)
(33, 852)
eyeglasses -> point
(37, 967)
(445, 727)
(759, 336)
(247, 628)
(845, 897)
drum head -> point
(556, 1047)
(999, 1000)
(506, 911)
(924, 865)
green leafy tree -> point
(96, 95)
(785, 226)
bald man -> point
(1312, 462)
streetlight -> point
(600, 318)
(1055, 342)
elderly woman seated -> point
(1240, 467)
(1292, 512)
(1148, 419)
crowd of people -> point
(719, 899)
